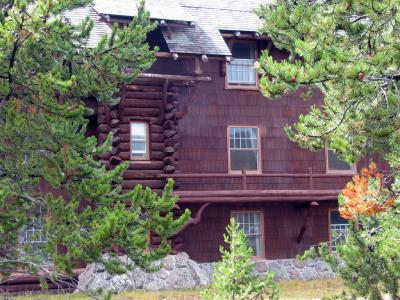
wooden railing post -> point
(311, 179)
(244, 179)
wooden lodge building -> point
(197, 116)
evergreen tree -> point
(349, 50)
(233, 277)
(47, 166)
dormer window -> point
(240, 70)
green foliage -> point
(234, 277)
(349, 51)
(47, 165)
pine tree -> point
(349, 50)
(233, 277)
(43, 141)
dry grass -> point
(314, 289)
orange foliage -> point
(359, 199)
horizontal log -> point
(126, 128)
(104, 128)
(170, 133)
(169, 169)
(143, 88)
(141, 112)
(154, 155)
(133, 174)
(101, 110)
(143, 95)
(115, 122)
(153, 184)
(147, 165)
(141, 103)
(101, 119)
(169, 107)
(124, 146)
(114, 114)
(152, 120)
(174, 77)
(169, 150)
(105, 156)
(106, 163)
(169, 116)
(169, 124)
(115, 160)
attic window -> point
(240, 70)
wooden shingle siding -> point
(282, 223)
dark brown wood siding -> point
(282, 222)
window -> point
(251, 222)
(33, 241)
(244, 149)
(140, 141)
(335, 164)
(241, 70)
(338, 229)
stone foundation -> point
(180, 272)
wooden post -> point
(244, 179)
(311, 179)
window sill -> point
(242, 87)
(344, 172)
(247, 172)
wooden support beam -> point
(271, 199)
(196, 220)
(174, 77)
(258, 193)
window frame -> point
(144, 157)
(329, 228)
(259, 156)
(330, 171)
(262, 224)
(229, 86)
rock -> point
(180, 272)
(169, 262)
(180, 279)
(299, 264)
(181, 260)
(261, 267)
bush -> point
(234, 277)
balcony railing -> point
(244, 175)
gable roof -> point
(201, 21)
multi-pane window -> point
(251, 224)
(335, 164)
(241, 70)
(244, 152)
(139, 141)
(32, 241)
(338, 229)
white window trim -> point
(146, 153)
(259, 156)
(262, 229)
